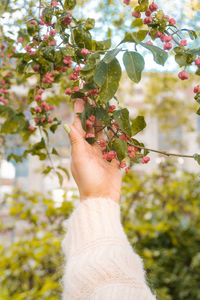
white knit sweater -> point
(101, 264)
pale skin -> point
(94, 176)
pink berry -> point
(172, 21)
(116, 124)
(145, 160)
(166, 17)
(3, 47)
(167, 46)
(77, 69)
(33, 22)
(197, 62)
(73, 77)
(183, 43)
(51, 107)
(153, 7)
(132, 155)
(159, 34)
(40, 91)
(127, 170)
(102, 143)
(196, 89)
(38, 98)
(127, 2)
(31, 128)
(52, 32)
(149, 43)
(38, 109)
(54, 3)
(49, 120)
(67, 20)
(36, 68)
(84, 51)
(183, 75)
(131, 149)
(148, 13)
(92, 118)
(89, 123)
(136, 14)
(52, 43)
(76, 89)
(167, 38)
(112, 108)
(68, 91)
(28, 48)
(20, 39)
(122, 164)
(90, 135)
(111, 155)
(147, 20)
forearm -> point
(100, 260)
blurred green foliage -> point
(160, 214)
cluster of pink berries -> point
(48, 78)
(197, 89)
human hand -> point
(94, 176)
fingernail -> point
(67, 128)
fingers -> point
(76, 139)
(78, 108)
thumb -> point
(76, 139)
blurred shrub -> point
(160, 214)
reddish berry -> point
(36, 68)
(54, 3)
(40, 91)
(166, 17)
(49, 120)
(3, 47)
(38, 109)
(167, 46)
(76, 89)
(52, 32)
(20, 39)
(136, 14)
(102, 143)
(127, 2)
(51, 107)
(116, 124)
(159, 34)
(38, 98)
(197, 62)
(84, 51)
(131, 149)
(132, 155)
(172, 21)
(147, 20)
(145, 160)
(90, 135)
(149, 43)
(112, 108)
(77, 69)
(183, 43)
(89, 123)
(122, 164)
(28, 48)
(153, 7)
(127, 170)
(183, 75)
(196, 89)
(92, 118)
(73, 77)
(31, 128)
(167, 38)
(67, 20)
(148, 13)
(111, 155)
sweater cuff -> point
(94, 222)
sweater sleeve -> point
(100, 262)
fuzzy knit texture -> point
(100, 262)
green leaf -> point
(69, 4)
(197, 157)
(55, 152)
(184, 59)
(89, 24)
(134, 64)
(60, 178)
(140, 35)
(47, 170)
(122, 118)
(195, 51)
(128, 38)
(198, 111)
(110, 55)
(120, 146)
(83, 38)
(102, 115)
(65, 171)
(110, 80)
(100, 73)
(47, 15)
(49, 53)
(103, 45)
(159, 55)
(138, 124)
(192, 33)
(137, 23)
(67, 51)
